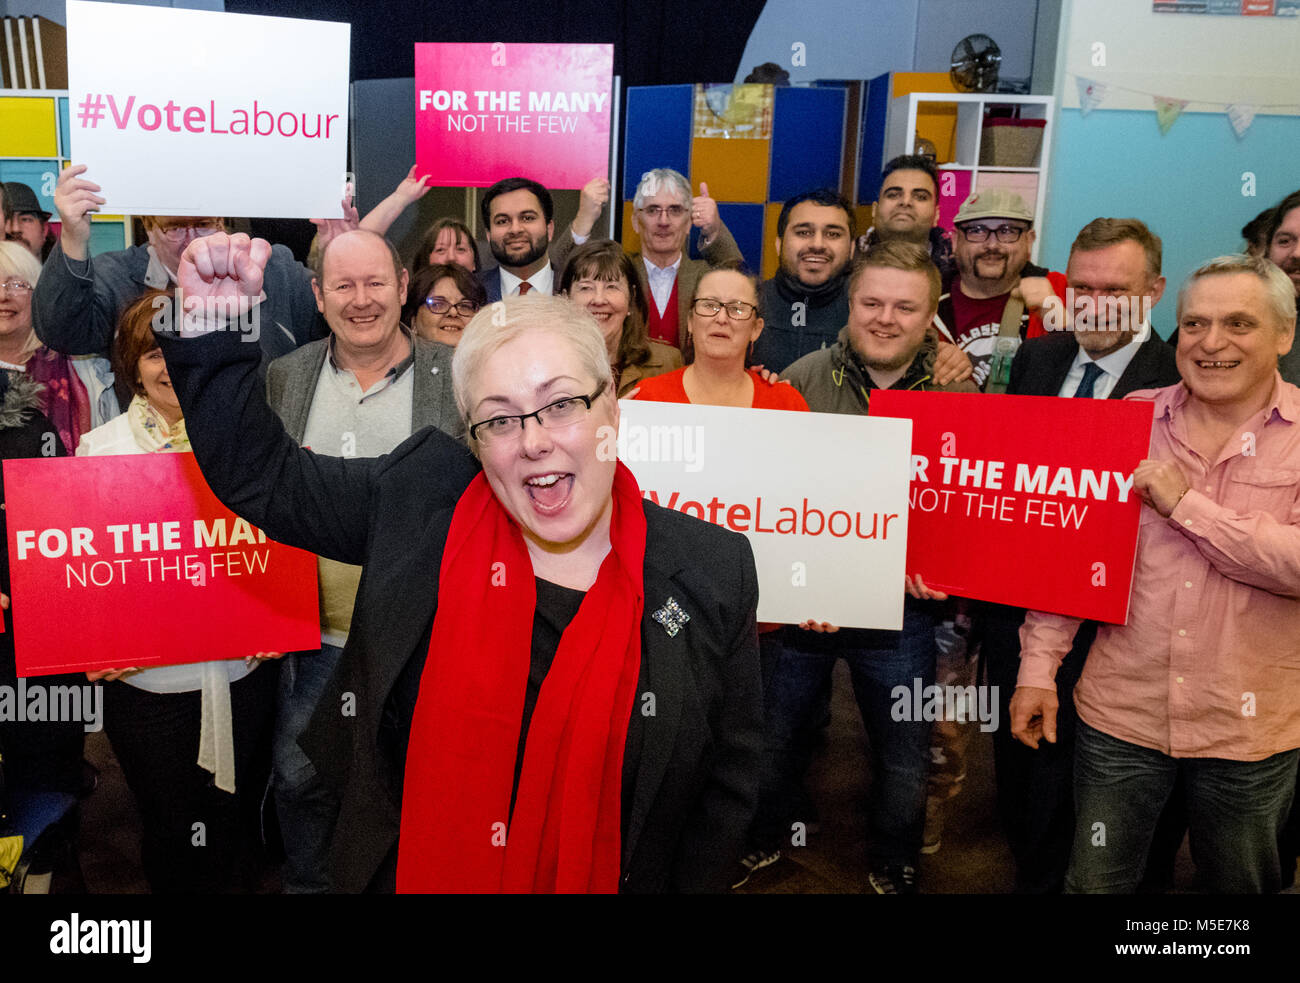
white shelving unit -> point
(900, 135)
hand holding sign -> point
(704, 215)
(222, 273)
(75, 199)
(327, 229)
(916, 587)
(112, 675)
(1161, 484)
(591, 202)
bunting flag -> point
(1240, 117)
(1240, 114)
(1167, 111)
(1091, 93)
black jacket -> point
(37, 757)
(1041, 365)
(696, 778)
(1039, 369)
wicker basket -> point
(1011, 142)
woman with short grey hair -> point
(552, 685)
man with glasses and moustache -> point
(991, 247)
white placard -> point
(821, 496)
(190, 112)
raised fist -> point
(221, 275)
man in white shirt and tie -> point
(518, 214)
(1104, 348)
(663, 213)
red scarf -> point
(565, 835)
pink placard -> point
(484, 112)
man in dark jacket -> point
(805, 305)
(991, 247)
(907, 207)
(1111, 352)
(358, 394)
(78, 300)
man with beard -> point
(994, 276)
(806, 304)
(26, 222)
(907, 207)
(885, 343)
(518, 214)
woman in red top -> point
(723, 325)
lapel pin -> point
(671, 616)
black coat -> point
(45, 756)
(1041, 365)
(1039, 369)
(696, 779)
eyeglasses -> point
(176, 234)
(1005, 233)
(562, 413)
(672, 211)
(16, 286)
(441, 305)
(738, 310)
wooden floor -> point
(973, 859)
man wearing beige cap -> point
(994, 234)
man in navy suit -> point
(519, 217)
(1112, 350)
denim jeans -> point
(1235, 810)
(307, 809)
(878, 661)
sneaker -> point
(752, 862)
(931, 839)
(894, 880)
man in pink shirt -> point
(1205, 677)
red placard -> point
(484, 112)
(1024, 500)
(130, 561)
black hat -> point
(22, 200)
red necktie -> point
(524, 287)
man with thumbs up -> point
(663, 213)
